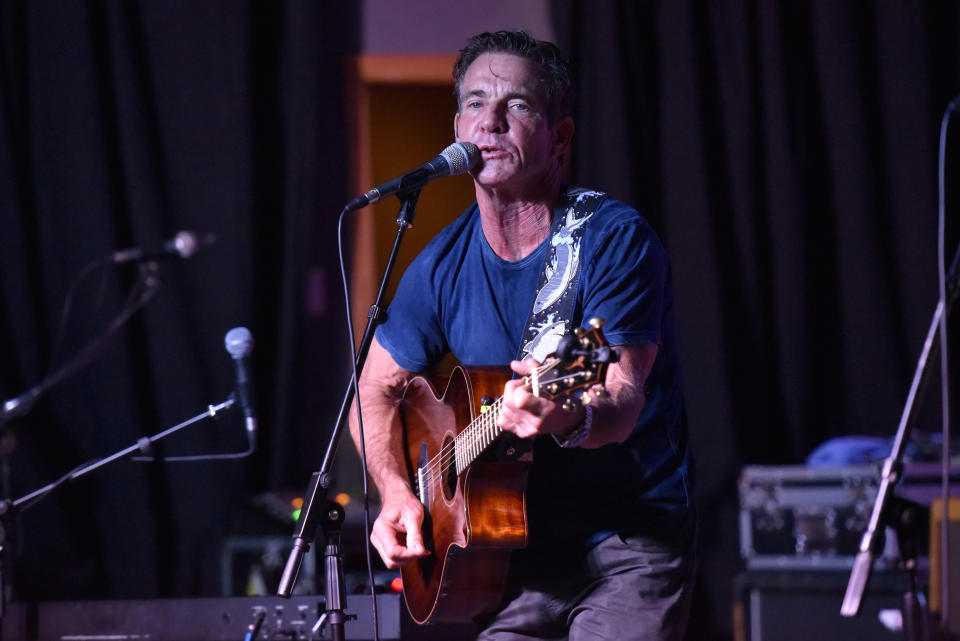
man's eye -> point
(519, 106)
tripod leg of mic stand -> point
(333, 568)
(907, 519)
(914, 614)
(3, 579)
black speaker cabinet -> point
(804, 605)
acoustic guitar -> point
(474, 502)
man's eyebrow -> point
(521, 96)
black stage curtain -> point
(787, 154)
(120, 124)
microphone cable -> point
(363, 447)
(944, 569)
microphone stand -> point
(11, 507)
(144, 289)
(887, 509)
(316, 506)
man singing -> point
(609, 497)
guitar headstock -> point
(580, 363)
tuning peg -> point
(579, 331)
(568, 405)
(596, 322)
(585, 398)
(601, 392)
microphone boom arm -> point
(9, 507)
(892, 469)
(142, 293)
(316, 508)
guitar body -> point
(473, 520)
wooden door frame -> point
(366, 71)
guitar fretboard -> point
(477, 437)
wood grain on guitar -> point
(475, 505)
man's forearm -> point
(615, 415)
(383, 442)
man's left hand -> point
(527, 415)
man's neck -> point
(515, 226)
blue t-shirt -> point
(459, 297)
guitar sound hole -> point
(449, 483)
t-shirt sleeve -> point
(412, 332)
(625, 281)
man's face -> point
(503, 113)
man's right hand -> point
(396, 532)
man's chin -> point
(495, 179)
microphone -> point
(184, 245)
(20, 405)
(239, 344)
(458, 158)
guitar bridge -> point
(423, 481)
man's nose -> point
(494, 120)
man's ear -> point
(456, 127)
(562, 135)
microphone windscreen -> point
(239, 342)
(185, 244)
(461, 157)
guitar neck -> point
(554, 379)
(476, 437)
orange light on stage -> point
(342, 498)
(296, 503)
(397, 585)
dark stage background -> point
(786, 152)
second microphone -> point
(458, 158)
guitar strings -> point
(464, 447)
(473, 440)
(469, 443)
(467, 436)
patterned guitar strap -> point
(556, 299)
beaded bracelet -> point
(580, 433)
